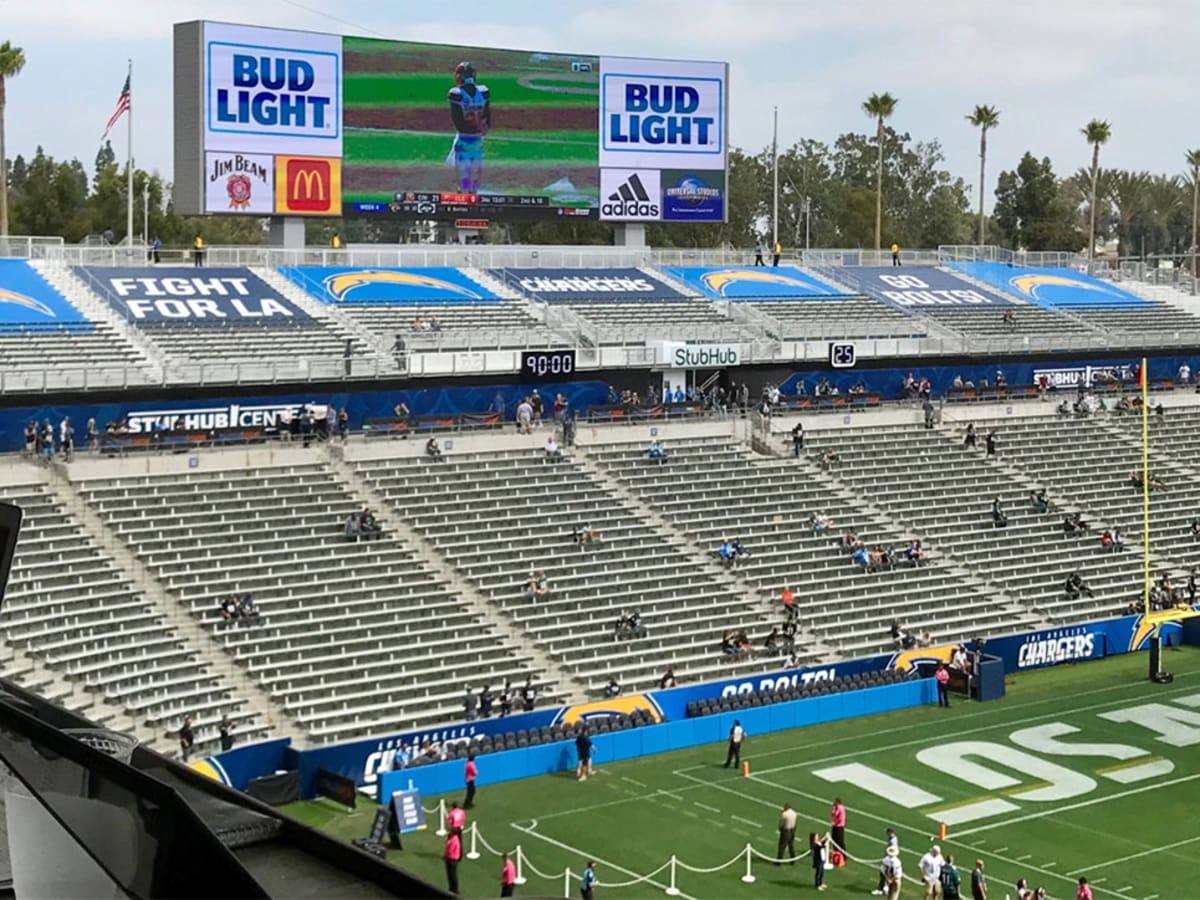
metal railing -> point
(1045, 259)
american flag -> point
(122, 107)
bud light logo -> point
(662, 114)
(273, 85)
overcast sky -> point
(1048, 65)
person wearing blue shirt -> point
(587, 884)
(679, 396)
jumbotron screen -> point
(295, 123)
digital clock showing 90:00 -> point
(547, 363)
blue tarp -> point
(388, 286)
(27, 299)
(188, 297)
(570, 285)
(1051, 288)
(752, 282)
(920, 289)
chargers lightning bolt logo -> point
(7, 296)
(341, 285)
(721, 280)
(1029, 284)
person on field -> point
(787, 834)
(892, 841)
(818, 846)
(736, 735)
(1083, 892)
(453, 856)
(978, 882)
(950, 880)
(892, 872)
(587, 884)
(508, 877)
(837, 824)
(931, 873)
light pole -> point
(775, 167)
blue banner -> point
(693, 196)
(165, 295)
(586, 284)
(1051, 288)
(887, 382)
(241, 765)
(1075, 643)
(388, 286)
(410, 816)
(923, 289)
(26, 298)
(752, 282)
(140, 418)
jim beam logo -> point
(241, 175)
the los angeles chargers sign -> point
(660, 114)
(272, 91)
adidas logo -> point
(631, 201)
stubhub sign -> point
(658, 114)
(272, 91)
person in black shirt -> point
(186, 738)
(991, 443)
(226, 728)
(485, 702)
(583, 749)
(528, 695)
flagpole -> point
(129, 164)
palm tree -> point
(12, 61)
(1127, 191)
(879, 107)
(1193, 161)
(983, 118)
(1097, 132)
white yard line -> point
(1121, 859)
(749, 822)
(632, 781)
(705, 806)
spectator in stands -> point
(1073, 523)
(773, 643)
(553, 454)
(895, 253)
(484, 701)
(537, 405)
(740, 553)
(248, 610)
(1185, 373)
(958, 659)
(789, 603)
(353, 526)
(957, 383)
(31, 437)
(538, 586)
(1001, 379)
(93, 436)
(187, 738)
(433, 451)
(819, 522)
(585, 535)
(528, 695)
(629, 626)
(343, 424)
(470, 704)
(915, 553)
(612, 689)
(506, 698)
(758, 251)
(862, 557)
(1074, 587)
(226, 730)
(969, 440)
(656, 452)
(667, 681)
(1009, 320)
(525, 417)
(999, 518)
(991, 443)
(828, 459)
(927, 408)
(798, 438)
(1037, 500)
(198, 251)
(156, 250)
(47, 445)
(229, 610)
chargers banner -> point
(1051, 288)
(388, 286)
(662, 114)
(26, 298)
(1074, 643)
(586, 284)
(752, 282)
(923, 290)
(189, 296)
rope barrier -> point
(640, 879)
(567, 882)
(441, 811)
(474, 852)
(534, 868)
(709, 871)
(781, 860)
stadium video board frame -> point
(273, 121)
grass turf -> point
(1133, 840)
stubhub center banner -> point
(587, 284)
(662, 114)
(165, 295)
(269, 90)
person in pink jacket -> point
(508, 877)
(837, 824)
(1083, 892)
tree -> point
(983, 118)
(1097, 132)
(1193, 161)
(879, 107)
(1032, 209)
(12, 61)
(1127, 192)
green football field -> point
(1082, 769)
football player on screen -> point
(471, 113)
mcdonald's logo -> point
(307, 185)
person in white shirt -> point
(1185, 374)
(892, 872)
(736, 736)
(893, 842)
(553, 454)
(931, 872)
(958, 659)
